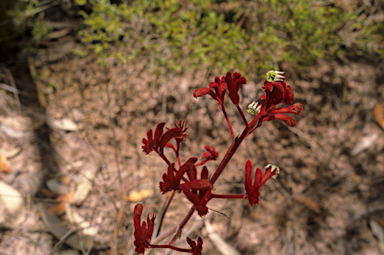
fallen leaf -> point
(57, 209)
(60, 230)
(5, 165)
(62, 124)
(13, 202)
(378, 231)
(364, 143)
(378, 112)
(57, 187)
(61, 207)
(136, 196)
(80, 222)
(85, 185)
(310, 204)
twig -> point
(13, 84)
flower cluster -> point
(183, 177)
(277, 92)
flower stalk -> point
(183, 177)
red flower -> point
(196, 249)
(233, 84)
(210, 154)
(277, 92)
(253, 190)
(198, 191)
(220, 88)
(143, 233)
(160, 140)
(172, 181)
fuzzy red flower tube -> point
(143, 232)
(160, 140)
(196, 249)
(233, 84)
(252, 190)
(216, 90)
(172, 181)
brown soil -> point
(329, 192)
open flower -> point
(277, 92)
(216, 90)
(254, 108)
(172, 181)
(160, 140)
(143, 232)
(275, 76)
(198, 191)
(252, 190)
(233, 84)
(196, 249)
(210, 154)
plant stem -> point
(242, 115)
(229, 124)
(182, 224)
(231, 151)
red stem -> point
(242, 115)
(231, 151)
(178, 159)
(165, 158)
(229, 124)
(182, 224)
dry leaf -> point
(378, 231)
(5, 165)
(61, 207)
(310, 204)
(59, 229)
(80, 222)
(14, 205)
(62, 124)
(85, 185)
(55, 186)
(364, 143)
(57, 209)
(135, 196)
(379, 115)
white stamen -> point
(274, 168)
(254, 108)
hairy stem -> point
(182, 224)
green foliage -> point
(40, 29)
(249, 36)
(29, 15)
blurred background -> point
(82, 81)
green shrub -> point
(246, 36)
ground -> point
(328, 198)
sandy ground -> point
(328, 198)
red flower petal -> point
(293, 109)
(288, 120)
